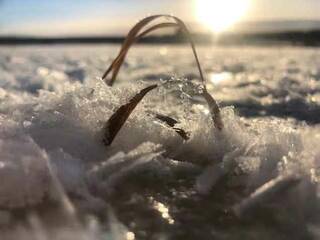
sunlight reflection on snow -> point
(217, 78)
(163, 51)
(2, 165)
(163, 210)
(203, 109)
(130, 236)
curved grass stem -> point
(134, 35)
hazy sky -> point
(73, 17)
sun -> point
(219, 15)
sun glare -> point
(219, 15)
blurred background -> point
(261, 62)
(247, 21)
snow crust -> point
(53, 108)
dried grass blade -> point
(171, 122)
(117, 120)
(133, 35)
(214, 109)
(141, 24)
(168, 120)
(117, 63)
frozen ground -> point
(150, 183)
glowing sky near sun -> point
(97, 17)
(219, 15)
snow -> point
(53, 108)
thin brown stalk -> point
(134, 36)
(116, 64)
(171, 123)
(118, 119)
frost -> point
(23, 168)
(53, 110)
